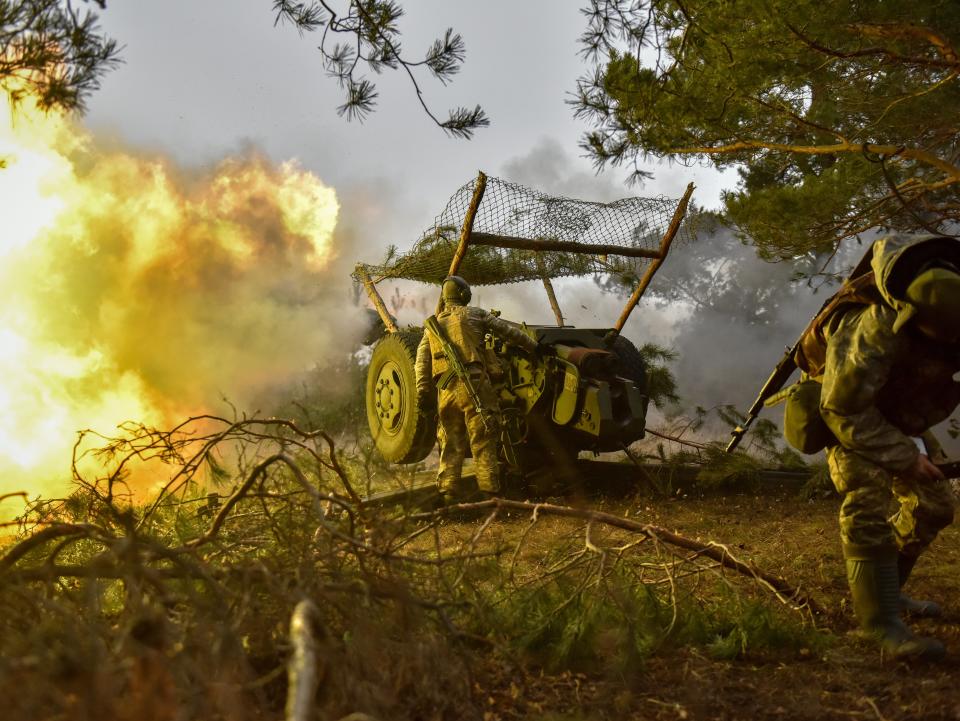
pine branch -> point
(462, 122)
(374, 42)
(53, 52)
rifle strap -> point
(433, 327)
(811, 353)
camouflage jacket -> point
(880, 385)
(466, 328)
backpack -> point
(811, 353)
(803, 426)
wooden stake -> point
(657, 262)
(376, 299)
(548, 286)
(552, 296)
(467, 229)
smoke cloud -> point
(724, 311)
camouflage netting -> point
(514, 211)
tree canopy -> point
(840, 116)
(53, 51)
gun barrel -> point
(478, 404)
(786, 367)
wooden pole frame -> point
(467, 230)
(551, 294)
(657, 262)
(563, 246)
(376, 299)
(552, 297)
(467, 236)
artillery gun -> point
(589, 391)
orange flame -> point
(134, 290)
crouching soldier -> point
(889, 352)
(468, 406)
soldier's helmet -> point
(935, 299)
(455, 290)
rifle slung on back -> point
(459, 368)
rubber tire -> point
(632, 365)
(414, 433)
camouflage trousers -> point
(461, 427)
(922, 508)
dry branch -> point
(274, 543)
(36, 540)
(785, 591)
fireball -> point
(134, 290)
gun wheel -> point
(401, 432)
(631, 362)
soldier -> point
(888, 377)
(460, 420)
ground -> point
(797, 538)
(467, 617)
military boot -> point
(456, 496)
(875, 588)
(911, 606)
(453, 492)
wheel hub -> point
(388, 396)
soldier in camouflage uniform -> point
(460, 421)
(888, 378)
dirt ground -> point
(798, 539)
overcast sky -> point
(204, 79)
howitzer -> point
(459, 369)
(787, 365)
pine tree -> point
(840, 116)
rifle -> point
(785, 368)
(776, 381)
(459, 369)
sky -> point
(202, 80)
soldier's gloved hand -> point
(924, 469)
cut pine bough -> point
(793, 596)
